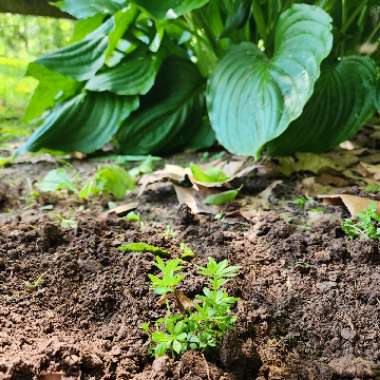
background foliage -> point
(279, 76)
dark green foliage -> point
(279, 76)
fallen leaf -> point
(314, 163)
(122, 209)
(354, 204)
(311, 187)
(261, 201)
(194, 200)
(174, 173)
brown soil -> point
(71, 304)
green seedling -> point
(367, 224)
(169, 279)
(222, 198)
(186, 252)
(32, 286)
(109, 180)
(145, 167)
(300, 202)
(57, 180)
(210, 175)
(144, 247)
(133, 217)
(169, 232)
(201, 326)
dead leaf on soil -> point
(260, 202)
(310, 162)
(122, 209)
(354, 204)
(233, 168)
(311, 187)
(194, 200)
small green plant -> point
(372, 188)
(57, 180)
(169, 232)
(300, 202)
(109, 180)
(186, 252)
(367, 224)
(133, 217)
(144, 247)
(201, 326)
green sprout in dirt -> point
(107, 181)
(300, 202)
(133, 217)
(366, 224)
(199, 324)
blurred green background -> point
(22, 39)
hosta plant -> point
(274, 76)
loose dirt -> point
(71, 304)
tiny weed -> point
(203, 325)
(300, 202)
(144, 247)
(169, 232)
(186, 252)
(109, 180)
(133, 217)
(32, 286)
(367, 224)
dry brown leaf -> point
(311, 187)
(371, 170)
(311, 162)
(194, 200)
(354, 204)
(261, 201)
(122, 209)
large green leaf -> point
(84, 124)
(171, 114)
(342, 102)
(51, 85)
(88, 8)
(135, 77)
(82, 59)
(123, 19)
(160, 8)
(253, 98)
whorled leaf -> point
(342, 102)
(82, 59)
(163, 8)
(84, 123)
(171, 112)
(252, 98)
(87, 8)
(134, 77)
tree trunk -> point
(31, 7)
